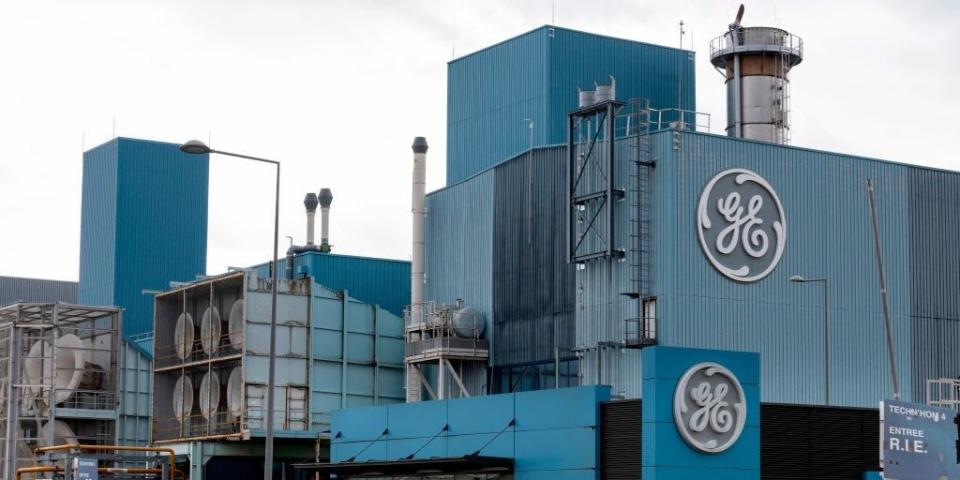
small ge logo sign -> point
(709, 407)
(741, 225)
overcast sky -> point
(337, 90)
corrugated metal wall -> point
(533, 294)
(459, 244)
(144, 224)
(135, 385)
(16, 289)
(935, 276)
(377, 281)
(536, 75)
(98, 225)
(829, 234)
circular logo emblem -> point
(709, 407)
(741, 225)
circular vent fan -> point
(183, 335)
(183, 397)
(209, 394)
(235, 392)
(210, 331)
(236, 324)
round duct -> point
(66, 370)
(235, 392)
(209, 394)
(236, 324)
(62, 433)
(183, 335)
(183, 397)
(210, 331)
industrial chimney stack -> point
(417, 264)
(756, 61)
(310, 201)
(326, 198)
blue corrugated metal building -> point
(829, 235)
(378, 281)
(535, 76)
(143, 225)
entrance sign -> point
(85, 468)
(918, 442)
(709, 407)
(741, 225)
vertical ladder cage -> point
(640, 329)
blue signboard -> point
(918, 442)
(85, 468)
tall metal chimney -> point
(756, 61)
(417, 266)
(326, 198)
(310, 201)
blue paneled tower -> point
(143, 224)
(494, 94)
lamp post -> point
(196, 147)
(826, 333)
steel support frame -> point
(608, 195)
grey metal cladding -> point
(16, 289)
(935, 276)
(533, 294)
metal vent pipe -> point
(326, 198)
(417, 265)
(310, 201)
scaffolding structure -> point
(58, 378)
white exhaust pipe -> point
(417, 265)
(326, 198)
(310, 201)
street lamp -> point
(826, 333)
(196, 147)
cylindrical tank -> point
(467, 323)
(756, 62)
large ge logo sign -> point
(741, 225)
(709, 407)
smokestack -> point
(326, 198)
(310, 201)
(416, 266)
(756, 62)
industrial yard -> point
(597, 279)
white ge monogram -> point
(741, 250)
(716, 417)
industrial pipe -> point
(310, 201)
(326, 198)
(52, 469)
(416, 266)
(76, 446)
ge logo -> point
(709, 407)
(741, 225)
